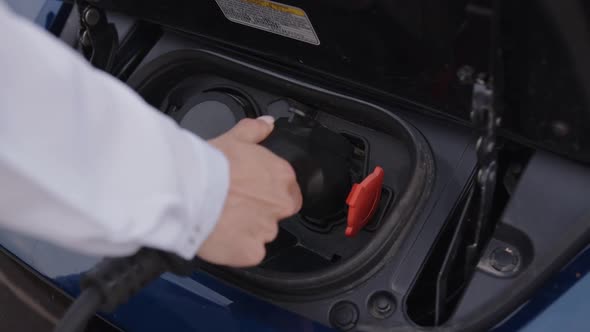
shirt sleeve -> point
(86, 164)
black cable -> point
(80, 312)
(114, 280)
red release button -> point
(363, 201)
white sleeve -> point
(86, 164)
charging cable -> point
(113, 281)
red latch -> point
(363, 201)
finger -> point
(253, 255)
(293, 191)
(288, 203)
(296, 197)
(269, 232)
(253, 130)
(291, 198)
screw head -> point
(91, 16)
(344, 315)
(504, 259)
(382, 304)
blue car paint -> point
(202, 303)
(167, 306)
(48, 13)
(42, 12)
(30, 9)
(562, 304)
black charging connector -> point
(113, 281)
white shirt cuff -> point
(213, 181)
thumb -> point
(253, 130)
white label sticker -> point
(270, 16)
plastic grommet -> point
(344, 315)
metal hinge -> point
(486, 120)
(474, 218)
(98, 38)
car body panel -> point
(562, 304)
(198, 303)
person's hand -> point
(263, 190)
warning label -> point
(270, 16)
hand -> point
(263, 190)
